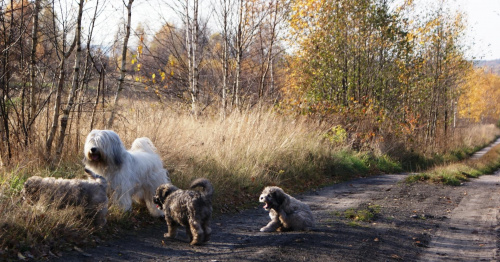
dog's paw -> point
(168, 235)
(283, 229)
(195, 242)
(265, 229)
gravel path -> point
(417, 222)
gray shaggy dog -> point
(286, 212)
(189, 208)
(89, 193)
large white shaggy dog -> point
(88, 193)
(133, 175)
(287, 213)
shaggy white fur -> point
(133, 175)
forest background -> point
(297, 93)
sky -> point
(482, 34)
(484, 27)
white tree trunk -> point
(123, 70)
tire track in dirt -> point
(471, 232)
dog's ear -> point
(117, 148)
(162, 192)
(118, 154)
(279, 196)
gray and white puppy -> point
(89, 193)
(287, 213)
(189, 208)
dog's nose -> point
(93, 150)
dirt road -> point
(417, 222)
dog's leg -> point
(172, 228)
(123, 200)
(285, 219)
(100, 219)
(189, 234)
(207, 230)
(196, 231)
(271, 226)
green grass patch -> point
(362, 215)
(456, 173)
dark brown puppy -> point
(189, 208)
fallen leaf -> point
(20, 256)
(376, 239)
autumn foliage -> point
(383, 69)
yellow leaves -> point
(480, 96)
(409, 37)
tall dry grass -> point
(240, 155)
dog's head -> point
(272, 197)
(162, 192)
(103, 147)
(31, 189)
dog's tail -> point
(95, 176)
(208, 189)
(143, 144)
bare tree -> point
(249, 20)
(123, 68)
(224, 17)
(62, 54)
(34, 44)
(74, 84)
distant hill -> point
(493, 65)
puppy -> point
(189, 208)
(133, 175)
(89, 193)
(286, 212)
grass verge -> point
(456, 173)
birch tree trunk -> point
(63, 55)
(34, 44)
(239, 55)
(74, 85)
(225, 57)
(123, 69)
(194, 44)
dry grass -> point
(240, 155)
